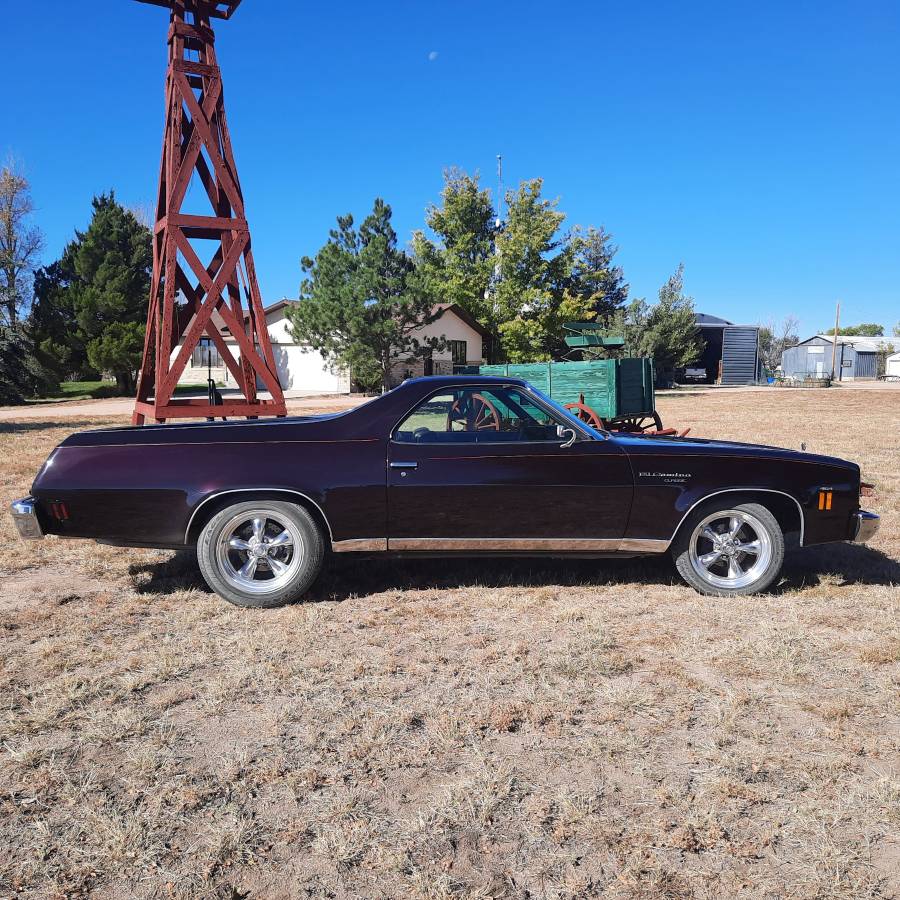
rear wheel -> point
(261, 553)
(730, 550)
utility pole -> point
(837, 325)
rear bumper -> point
(25, 517)
(864, 527)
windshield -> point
(565, 414)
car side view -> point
(440, 465)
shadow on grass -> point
(348, 576)
(45, 425)
(852, 563)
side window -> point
(474, 415)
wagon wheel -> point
(638, 424)
(586, 414)
(473, 412)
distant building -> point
(731, 355)
(892, 365)
(304, 370)
(856, 357)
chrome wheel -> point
(730, 549)
(259, 551)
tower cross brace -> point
(191, 299)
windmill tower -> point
(204, 284)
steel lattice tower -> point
(190, 298)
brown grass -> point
(441, 729)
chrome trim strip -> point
(744, 490)
(360, 545)
(565, 544)
(250, 490)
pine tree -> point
(666, 331)
(363, 300)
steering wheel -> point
(473, 412)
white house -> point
(302, 369)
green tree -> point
(118, 349)
(535, 292)
(666, 331)
(92, 303)
(458, 265)
(54, 321)
(897, 330)
(866, 329)
(363, 300)
(595, 277)
(21, 372)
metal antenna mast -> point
(207, 259)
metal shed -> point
(731, 355)
(855, 357)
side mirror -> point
(567, 435)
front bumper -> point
(865, 526)
(25, 517)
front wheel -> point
(261, 553)
(730, 551)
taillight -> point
(59, 510)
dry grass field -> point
(435, 729)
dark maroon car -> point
(464, 465)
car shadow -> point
(351, 576)
(22, 427)
(851, 563)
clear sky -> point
(759, 143)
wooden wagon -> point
(614, 394)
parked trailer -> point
(613, 394)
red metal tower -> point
(189, 298)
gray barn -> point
(855, 357)
(731, 352)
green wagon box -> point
(604, 392)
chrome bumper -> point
(866, 526)
(26, 519)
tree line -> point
(521, 275)
(81, 316)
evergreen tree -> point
(363, 299)
(21, 372)
(91, 305)
(54, 321)
(666, 331)
(595, 277)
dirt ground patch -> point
(440, 729)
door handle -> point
(404, 465)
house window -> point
(205, 354)
(458, 351)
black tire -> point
(759, 568)
(299, 558)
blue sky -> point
(759, 143)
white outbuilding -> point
(892, 365)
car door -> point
(484, 468)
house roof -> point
(460, 313)
(862, 342)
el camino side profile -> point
(440, 465)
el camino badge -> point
(666, 477)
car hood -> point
(675, 446)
